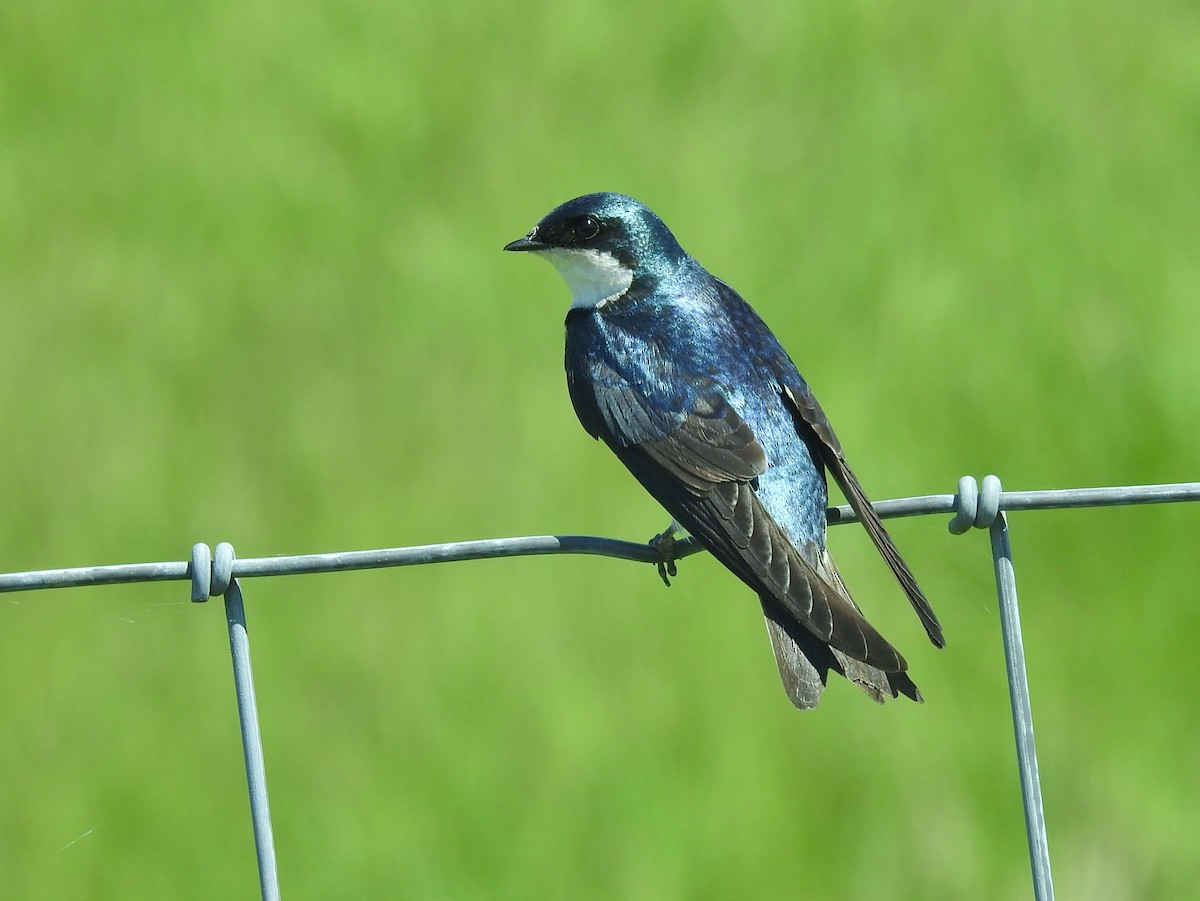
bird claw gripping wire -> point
(665, 543)
(975, 507)
(211, 575)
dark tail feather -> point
(805, 661)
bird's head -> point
(602, 244)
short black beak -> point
(526, 243)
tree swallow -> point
(694, 394)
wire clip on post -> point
(980, 509)
(214, 575)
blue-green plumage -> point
(686, 384)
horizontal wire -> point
(1052, 499)
(568, 544)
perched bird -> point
(694, 394)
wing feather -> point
(813, 418)
(703, 474)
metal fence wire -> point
(973, 506)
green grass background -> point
(251, 289)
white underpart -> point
(594, 277)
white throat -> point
(594, 277)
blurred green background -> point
(251, 289)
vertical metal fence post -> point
(256, 777)
(1022, 711)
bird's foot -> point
(664, 543)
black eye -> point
(587, 228)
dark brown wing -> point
(701, 461)
(704, 473)
(812, 416)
